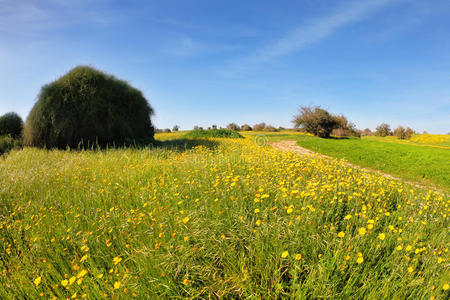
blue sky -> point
(209, 62)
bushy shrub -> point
(367, 131)
(246, 127)
(176, 128)
(315, 120)
(88, 107)
(233, 126)
(259, 126)
(345, 128)
(270, 128)
(213, 133)
(383, 130)
(11, 124)
(400, 132)
(7, 142)
(409, 132)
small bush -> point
(7, 143)
(345, 128)
(367, 131)
(213, 133)
(87, 107)
(400, 132)
(246, 127)
(11, 124)
(383, 130)
(409, 132)
(316, 120)
(270, 128)
(259, 126)
(233, 126)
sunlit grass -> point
(226, 219)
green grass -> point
(213, 133)
(417, 163)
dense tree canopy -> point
(88, 107)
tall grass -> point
(230, 221)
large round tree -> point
(87, 107)
(315, 120)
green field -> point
(422, 164)
(214, 219)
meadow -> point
(211, 219)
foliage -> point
(316, 120)
(234, 221)
(345, 128)
(246, 127)
(400, 132)
(259, 126)
(11, 124)
(176, 128)
(233, 126)
(270, 128)
(409, 132)
(383, 130)
(87, 107)
(7, 143)
(367, 131)
(213, 133)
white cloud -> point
(313, 32)
(186, 46)
(25, 17)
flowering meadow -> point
(227, 218)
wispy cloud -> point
(24, 17)
(313, 32)
(185, 46)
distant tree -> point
(400, 132)
(367, 131)
(281, 128)
(383, 130)
(270, 128)
(233, 126)
(315, 120)
(409, 132)
(11, 124)
(259, 126)
(214, 127)
(345, 128)
(176, 128)
(246, 127)
(167, 130)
